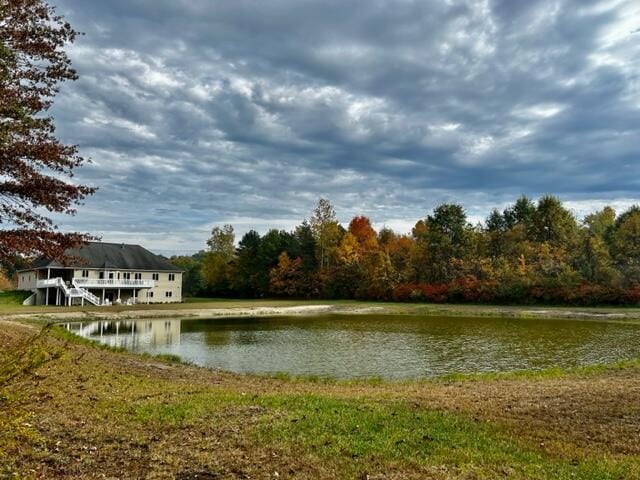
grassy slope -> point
(80, 411)
(12, 299)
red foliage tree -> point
(35, 167)
(360, 227)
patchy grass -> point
(78, 411)
(13, 298)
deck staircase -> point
(72, 292)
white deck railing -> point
(69, 292)
(112, 283)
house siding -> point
(27, 280)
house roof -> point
(110, 255)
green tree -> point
(601, 223)
(553, 223)
(626, 244)
(520, 213)
(193, 283)
(216, 264)
(442, 238)
(304, 246)
(595, 262)
(272, 245)
(246, 271)
(496, 227)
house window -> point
(126, 276)
(101, 275)
(85, 273)
(168, 294)
(155, 276)
(137, 276)
(172, 277)
(149, 294)
(110, 275)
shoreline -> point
(261, 308)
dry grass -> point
(79, 411)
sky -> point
(197, 113)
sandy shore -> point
(210, 311)
(106, 314)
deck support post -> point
(48, 277)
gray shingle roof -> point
(111, 255)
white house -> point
(102, 274)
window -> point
(85, 273)
(168, 294)
(110, 275)
(137, 276)
(126, 276)
(172, 277)
(149, 294)
(155, 276)
(101, 275)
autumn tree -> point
(326, 231)
(287, 277)
(531, 253)
(360, 227)
(400, 249)
(36, 169)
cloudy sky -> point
(203, 112)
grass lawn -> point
(71, 409)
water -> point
(355, 346)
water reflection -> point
(130, 334)
(363, 346)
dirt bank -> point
(83, 412)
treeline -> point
(529, 253)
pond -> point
(356, 346)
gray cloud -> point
(197, 112)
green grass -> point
(360, 436)
(13, 298)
